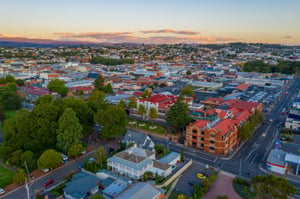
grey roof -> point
(130, 160)
(276, 156)
(107, 181)
(292, 158)
(136, 137)
(115, 188)
(140, 190)
(81, 184)
(169, 157)
(161, 165)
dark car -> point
(48, 182)
(192, 183)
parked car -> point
(64, 157)
(192, 183)
(92, 159)
(48, 182)
(201, 176)
(45, 170)
(2, 191)
(205, 174)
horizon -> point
(155, 22)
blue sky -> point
(212, 21)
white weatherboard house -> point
(134, 162)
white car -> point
(2, 191)
(45, 170)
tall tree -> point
(122, 104)
(114, 120)
(49, 159)
(271, 186)
(19, 177)
(152, 113)
(28, 157)
(146, 93)
(178, 116)
(9, 97)
(142, 110)
(75, 150)
(99, 83)
(100, 156)
(108, 89)
(187, 90)
(97, 100)
(69, 130)
(58, 86)
(132, 103)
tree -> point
(271, 186)
(245, 131)
(75, 150)
(222, 197)
(19, 177)
(97, 100)
(122, 104)
(142, 110)
(20, 82)
(178, 116)
(181, 196)
(132, 103)
(153, 113)
(2, 113)
(97, 196)
(49, 159)
(9, 97)
(187, 90)
(145, 94)
(28, 157)
(45, 99)
(159, 148)
(16, 157)
(188, 72)
(69, 130)
(114, 120)
(58, 86)
(100, 156)
(99, 83)
(108, 89)
(181, 155)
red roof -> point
(242, 87)
(241, 105)
(224, 126)
(243, 116)
(199, 123)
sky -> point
(152, 21)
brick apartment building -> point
(219, 136)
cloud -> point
(286, 37)
(180, 32)
(92, 35)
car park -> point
(48, 182)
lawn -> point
(159, 129)
(6, 176)
(10, 114)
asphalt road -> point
(35, 186)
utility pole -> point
(240, 172)
(26, 184)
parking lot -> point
(190, 175)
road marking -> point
(256, 146)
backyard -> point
(6, 176)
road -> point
(35, 186)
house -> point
(132, 162)
(140, 139)
(276, 161)
(142, 190)
(219, 136)
(114, 189)
(81, 185)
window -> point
(211, 148)
(202, 139)
(202, 133)
(194, 143)
(194, 130)
(212, 142)
(212, 135)
(194, 137)
(202, 145)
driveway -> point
(222, 186)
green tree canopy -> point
(28, 157)
(97, 100)
(75, 150)
(58, 86)
(100, 156)
(187, 90)
(153, 113)
(108, 89)
(99, 83)
(177, 116)
(49, 159)
(132, 103)
(122, 104)
(271, 186)
(69, 130)
(142, 110)
(19, 177)
(9, 97)
(114, 120)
